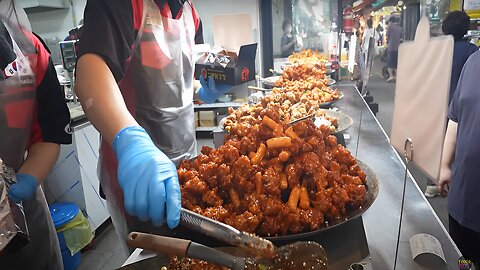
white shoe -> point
(432, 191)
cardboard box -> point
(240, 70)
(206, 118)
(195, 119)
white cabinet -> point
(74, 176)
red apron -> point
(17, 111)
(158, 92)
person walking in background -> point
(368, 33)
(394, 35)
(287, 42)
(380, 34)
(456, 24)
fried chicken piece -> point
(313, 218)
(224, 184)
(211, 198)
(246, 222)
(196, 185)
(217, 213)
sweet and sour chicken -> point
(272, 179)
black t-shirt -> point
(52, 115)
(110, 28)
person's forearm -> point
(288, 46)
(449, 145)
(40, 160)
(101, 98)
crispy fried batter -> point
(301, 90)
(227, 186)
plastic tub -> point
(61, 215)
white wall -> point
(209, 8)
(53, 25)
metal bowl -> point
(270, 81)
(372, 186)
(331, 82)
(327, 105)
(344, 120)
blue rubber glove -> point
(209, 92)
(147, 177)
(24, 189)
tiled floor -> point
(106, 254)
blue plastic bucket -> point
(61, 215)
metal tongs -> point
(227, 234)
(310, 116)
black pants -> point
(468, 241)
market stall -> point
(372, 238)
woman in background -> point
(288, 41)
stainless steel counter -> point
(370, 144)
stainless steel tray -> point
(331, 82)
(327, 105)
(344, 120)
(270, 81)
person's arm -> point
(105, 47)
(450, 142)
(40, 160)
(284, 45)
(107, 38)
(48, 129)
(448, 156)
(37, 166)
(100, 97)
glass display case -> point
(304, 24)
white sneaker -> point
(432, 191)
